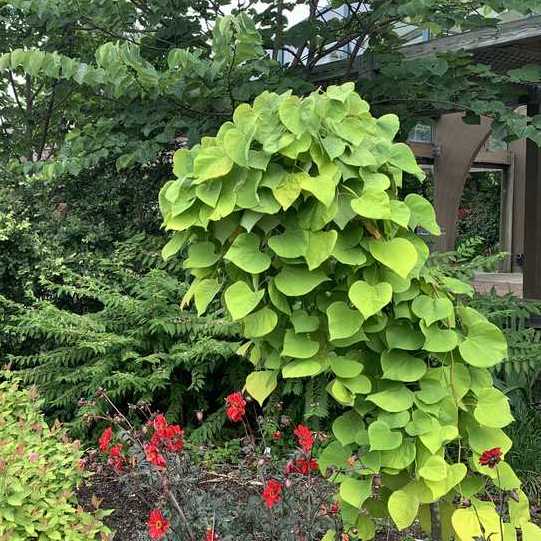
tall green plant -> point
(292, 217)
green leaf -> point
(322, 187)
(485, 345)
(295, 281)
(319, 248)
(439, 340)
(340, 393)
(400, 213)
(175, 244)
(302, 322)
(340, 92)
(209, 192)
(204, 293)
(288, 189)
(277, 299)
(382, 438)
(261, 384)
(434, 468)
(431, 309)
(402, 335)
(343, 321)
(245, 254)
(492, 409)
(506, 478)
(201, 255)
(236, 146)
(373, 204)
(358, 385)
(401, 366)
(303, 368)
(422, 214)
(531, 532)
(402, 156)
(346, 426)
(334, 455)
(344, 367)
(355, 492)
(368, 299)
(290, 244)
(241, 300)
(397, 254)
(403, 508)
(394, 397)
(299, 346)
(260, 323)
(290, 115)
(211, 162)
(333, 146)
(388, 126)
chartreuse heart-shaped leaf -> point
(392, 397)
(530, 532)
(204, 292)
(319, 247)
(299, 346)
(431, 310)
(401, 366)
(245, 254)
(343, 321)
(358, 385)
(302, 322)
(322, 187)
(241, 300)
(290, 244)
(295, 281)
(340, 393)
(236, 145)
(398, 254)
(368, 299)
(260, 323)
(372, 204)
(402, 157)
(355, 492)
(201, 255)
(477, 521)
(303, 368)
(403, 508)
(211, 162)
(439, 340)
(422, 213)
(434, 468)
(382, 438)
(288, 189)
(346, 427)
(344, 367)
(403, 335)
(492, 409)
(485, 345)
(261, 384)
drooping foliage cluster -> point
(292, 219)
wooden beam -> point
(532, 217)
(504, 34)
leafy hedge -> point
(39, 470)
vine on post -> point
(292, 216)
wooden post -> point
(532, 218)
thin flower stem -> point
(500, 511)
(180, 512)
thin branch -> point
(15, 93)
(47, 121)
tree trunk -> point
(435, 521)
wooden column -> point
(532, 218)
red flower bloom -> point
(235, 407)
(302, 465)
(157, 524)
(116, 459)
(105, 439)
(277, 436)
(491, 457)
(159, 423)
(154, 456)
(272, 493)
(304, 438)
(170, 436)
(210, 535)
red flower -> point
(116, 459)
(277, 436)
(235, 406)
(210, 535)
(334, 508)
(272, 493)
(157, 524)
(105, 439)
(491, 457)
(159, 423)
(170, 436)
(302, 465)
(304, 438)
(154, 456)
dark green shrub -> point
(39, 470)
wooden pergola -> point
(504, 47)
